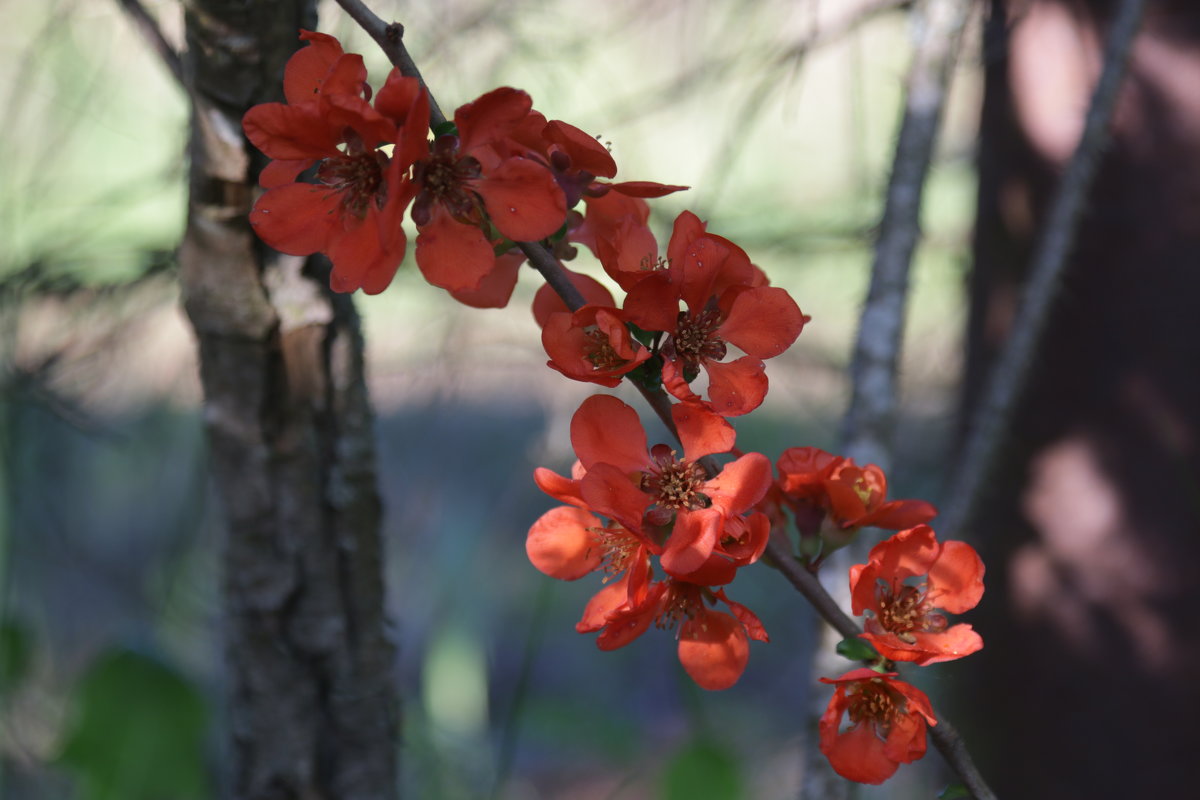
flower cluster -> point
(660, 505)
(667, 529)
(499, 174)
(908, 583)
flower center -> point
(872, 703)
(600, 351)
(619, 547)
(682, 601)
(675, 484)
(696, 339)
(907, 610)
(358, 177)
(443, 178)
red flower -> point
(715, 280)
(905, 622)
(817, 485)
(568, 542)
(592, 344)
(887, 725)
(353, 213)
(472, 178)
(642, 487)
(714, 646)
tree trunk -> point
(311, 690)
(1090, 528)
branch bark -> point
(867, 426)
(312, 700)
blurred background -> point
(781, 115)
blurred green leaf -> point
(702, 771)
(137, 731)
(955, 791)
(16, 651)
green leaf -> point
(16, 652)
(955, 791)
(137, 731)
(856, 650)
(447, 128)
(648, 374)
(702, 769)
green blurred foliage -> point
(137, 731)
(16, 654)
(703, 770)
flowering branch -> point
(390, 38)
(700, 522)
(1011, 372)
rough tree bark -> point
(312, 700)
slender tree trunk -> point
(312, 700)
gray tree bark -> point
(312, 700)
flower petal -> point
(298, 218)
(606, 430)
(702, 432)
(956, 578)
(563, 545)
(306, 69)
(496, 288)
(451, 255)
(523, 200)
(762, 321)
(713, 649)
(737, 387)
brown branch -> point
(867, 427)
(1011, 372)
(149, 28)
(390, 38)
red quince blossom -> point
(642, 487)
(714, 646)
(569, 542)
(353, 212)
(716, 282)
(906, 623)
(823, 488)
(473, 178)
(592, 344)
(888, 719)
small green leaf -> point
(647, 338)
(955, 791)
(648, 374)
(447, 128)
(16, 652)
(137, 731)
(702, 769)
(856, 650)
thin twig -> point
(867, 427)
(807, 584)
(947, 741)
(148, 26)
(390, 38)
(1011, 372)
(541, 259)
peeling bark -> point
(313, 703)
